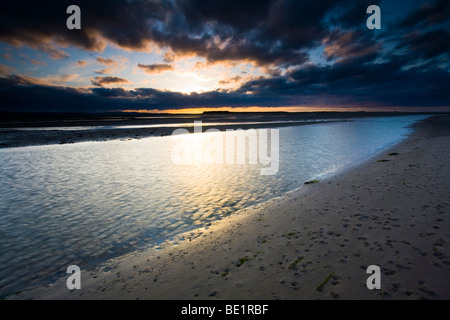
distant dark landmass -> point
(216, 112)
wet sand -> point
(12, 138)
(312, 243)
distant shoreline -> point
(12, 125)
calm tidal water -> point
(86, 202)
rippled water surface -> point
(84, 203)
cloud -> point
(230, 80)
(429, 14)
(112, 65)
(426, 45)
(102, 81)
(81, 63)
(106, 61)
(14, 80)
(264, 32)
(351, 14)
(50, 80)
(355, 83)
(6, 69)
(54, 52)
(102, 71)
(41, 26)
(348, 44)
(37, 63)
(169, 57)
(423, 34)
(155, 67)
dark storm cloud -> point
(266, 32)
(426, 45)
(383, 84)
(32, 97)
(431, 13)
(125, 23)
(424, 32)
(275, 32)
(348, 13)
(242, 15)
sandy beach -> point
(312, 243)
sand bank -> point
(312, 243)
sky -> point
(195, 55)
